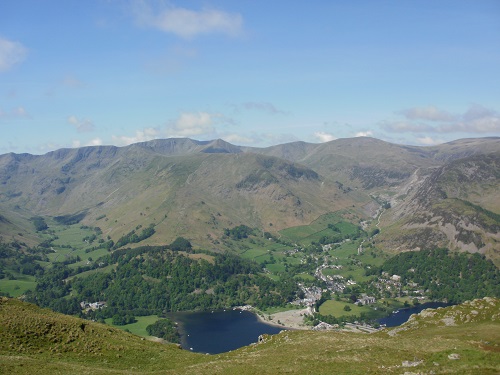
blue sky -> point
(77, 73)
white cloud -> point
(188, 23)
(428, 141)
(95, 142)
(11, 53)
(81, 125)
(324, 137)
(476, 120)
(429, 113)
(194, 123)
(146, 134)
(367, 133)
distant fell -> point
(193, 188)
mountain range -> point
(445, 195)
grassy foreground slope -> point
(460, 340)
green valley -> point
(336, 235)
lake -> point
(220, 331)
(401, 316)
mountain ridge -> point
(185, 186)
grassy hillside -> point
(461, 340)
(196, 189)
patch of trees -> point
(165, 329)
(180, 244)
(154, 280)
(445, 275)
(336, 238)
(39, 223)
(123, 319)
(341, 320)
(239, 232)
(18, 261)
(133, 237)
(52, 291)
(71, 218)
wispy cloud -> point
(187, 23)
(173, 61)
(324, 137)
(275, 138)
(146, 134)
(72, 82)
(428, 141)
(18, 112)
(238, 139)
(406, 126)
(81, 125)
(264, 107)
(93, 142)
(11, 53)
(476, 120)
(429, 113)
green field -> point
(276, 267)
(72, 235)
(97, 270)
(305, 276)
(138, 328)
(336, 308)
(306, 234)
(18, 287)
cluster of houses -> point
(366, 300)
(311, 295)
(92, 305)
(389, 284)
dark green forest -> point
(155, 280)
(446, 276)
(165, 329)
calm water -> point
(220, 331)
(402, 315)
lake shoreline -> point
(288, 320)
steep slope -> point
(462, 148)
(181, 186)
(364, 162)
(457, 205)
(185, 186)
(461, 339)
(369, 163)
